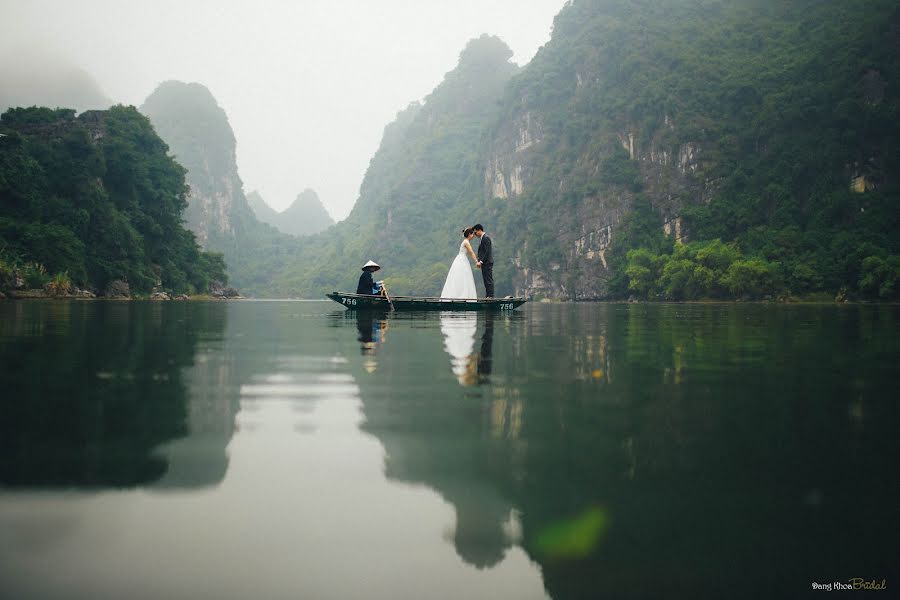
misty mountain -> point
(33, 79)
(188, 118)
(262, 210)
(306, 214)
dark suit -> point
(486, 256)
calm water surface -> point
(294, 450)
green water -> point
(294, 450)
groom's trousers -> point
(487, 273)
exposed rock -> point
(118, 289)
(2, 296)
(160, 296)
(181, 297)
(79, 293)
(28, 294)
(674, 227)
(11, 280)
(95, 123)
(219, 290)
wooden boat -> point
(363, 302)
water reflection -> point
(616, 436)
(372, 327)
(298, 505)
(484, 361)
(91, 391)
(585, 450)
(459, 342)
(459, 331)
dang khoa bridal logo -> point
(855, 583)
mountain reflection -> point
(618, 443)
(628, 450)
(93, 389)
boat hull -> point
(362, 302)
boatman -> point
(367, 286)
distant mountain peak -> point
(305, 216)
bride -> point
(460, 281)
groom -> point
(485, 261)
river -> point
(268, 449)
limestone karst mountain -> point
(305, 216)
(188, 118)
(261, 209)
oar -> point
(388, 296)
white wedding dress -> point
(460, 280)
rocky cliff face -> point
(700, 109)
(668, 173)
(197, 131)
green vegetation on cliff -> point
(770, 126)
(95, 198)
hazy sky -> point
(307, 85)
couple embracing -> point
(460, 281)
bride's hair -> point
(468, 231)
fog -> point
(308, 86)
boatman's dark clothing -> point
(486, 256)
(366, 285)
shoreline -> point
(41, 295)
(32, 295)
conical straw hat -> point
(372, 263)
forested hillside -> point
(768, 126)
(93, 199)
